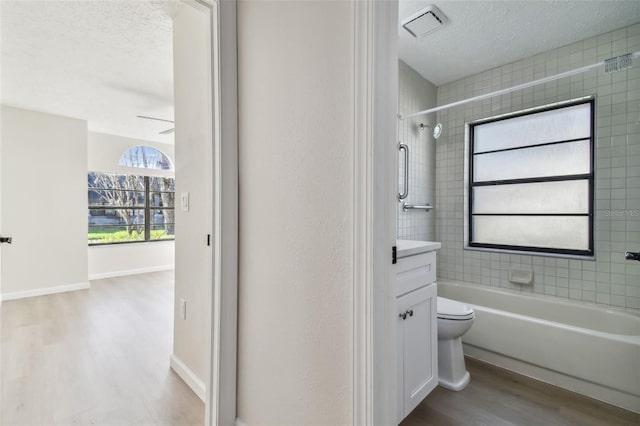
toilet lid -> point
(453, 309)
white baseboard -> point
(240, 422)
(44, 291)
(185, 373)
(130, 272)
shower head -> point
(436, 130)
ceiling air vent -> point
(424, 21)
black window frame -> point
(147, 207)
(590, 177)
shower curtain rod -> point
(525, 85)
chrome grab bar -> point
(425, 207)
(405, 190)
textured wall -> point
(44, 200)
(295, 146)
(609, 279)
(416, 94)
(193, 258)
(115, 260)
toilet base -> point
(456, 386)
(452, 372)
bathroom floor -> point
(498, 397)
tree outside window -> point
(128, 208)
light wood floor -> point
(94, 357)
(497, 397)
(101, 357)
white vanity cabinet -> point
(417, 330)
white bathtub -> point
(585, 348)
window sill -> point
(531, 253)
(129, 242)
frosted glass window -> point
(572, 158)
(531, 182)
(551, 232)
(543, 127)
(543, 197)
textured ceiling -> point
(484, 34)
(108, 61)
(101, 61)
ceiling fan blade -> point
(167, 132)
(154, 118)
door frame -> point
(220, 399)
(375, 184)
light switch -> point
(184, 201)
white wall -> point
(114, 260)
(1, 204)
(104, 152)
(44, 202)
(296, 143)
(193, 115)
(417, 94)
(609, 279)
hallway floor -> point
(497, 397)
(94, 357)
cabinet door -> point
(419, 345)
(401, 414)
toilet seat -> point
(453, 310)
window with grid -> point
(531, 181)
(130, 208)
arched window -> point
(145, 157)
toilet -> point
(454, 320)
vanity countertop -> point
(411, 247)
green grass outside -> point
(107, 235)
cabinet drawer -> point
(415, 271)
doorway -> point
(204, 197)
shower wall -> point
(609, 279)
(416, 94)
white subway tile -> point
(617, 172)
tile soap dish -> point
(520, 276)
